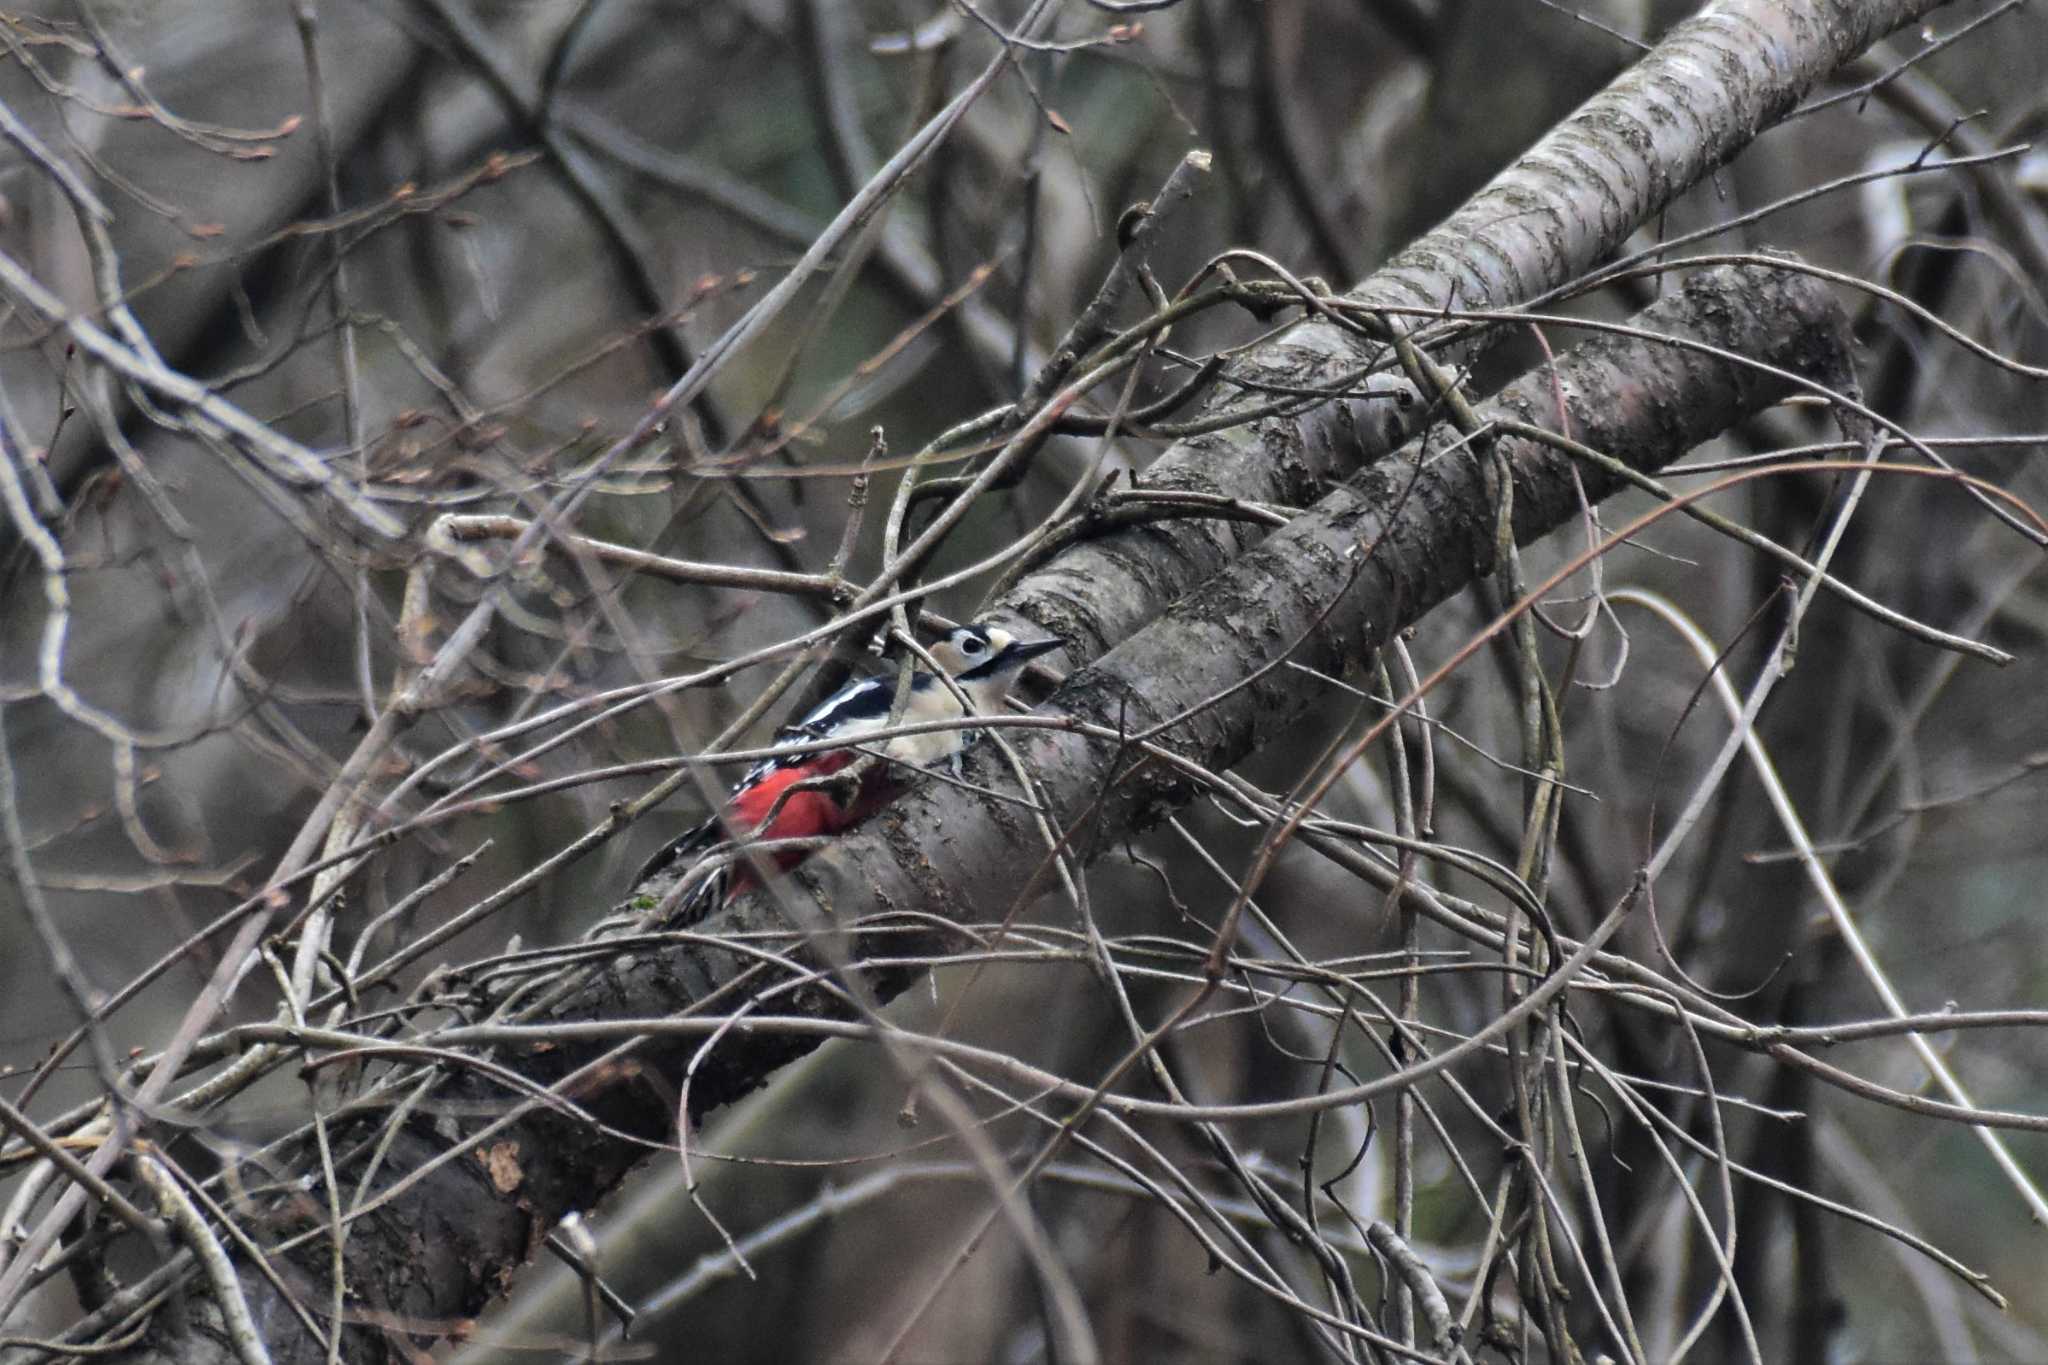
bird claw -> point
(843, 787)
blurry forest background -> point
(331, 325)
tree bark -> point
(1712, 86)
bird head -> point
(984, 653)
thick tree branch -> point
(1713, 85)
(1338, 582)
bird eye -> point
(972, 646)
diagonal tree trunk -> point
(1711, 87)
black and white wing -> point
(847, 714)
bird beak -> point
(1021, 651)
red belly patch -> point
(805, 814)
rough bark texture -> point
(1708, 89)
(1403, 539)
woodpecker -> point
(981, 662)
